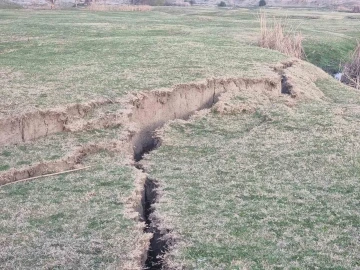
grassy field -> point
(72, 221)
(58, 57)
(277, 189)
(274, 188)
(52, 147)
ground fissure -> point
(147, 141)
(146, 113)
(158, 242)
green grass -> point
(72, 221)
(337, 54)
(243, 193)
(54, 147)
(57, 57)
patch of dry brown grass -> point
(351, 73)
(275, 37)
(103, 7)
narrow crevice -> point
(158, 245)
(139, 166)
(148, 145)
(68, 162)
(22, 128)
(286, 87)
(146, 113)
(145, 140)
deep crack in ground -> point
(149, 112)
(286, 87)
(158, 246)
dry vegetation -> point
(276, 37)
(351, 74)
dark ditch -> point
(158, 246)
(146, 141)
(146, 148)
(286, 87)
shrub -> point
(276, 38)
(351, 72)
(222, 4)
(262, 3)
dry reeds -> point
(103, 7)
(351, 73)
(276, 38)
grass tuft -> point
(277, 38)
(351, 73)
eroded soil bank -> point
(144, 113)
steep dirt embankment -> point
(155, 108)
(146, 112)
(36, 124)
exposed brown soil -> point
(42, 123)
(146, 112)
(153, 109)
(149, 110)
